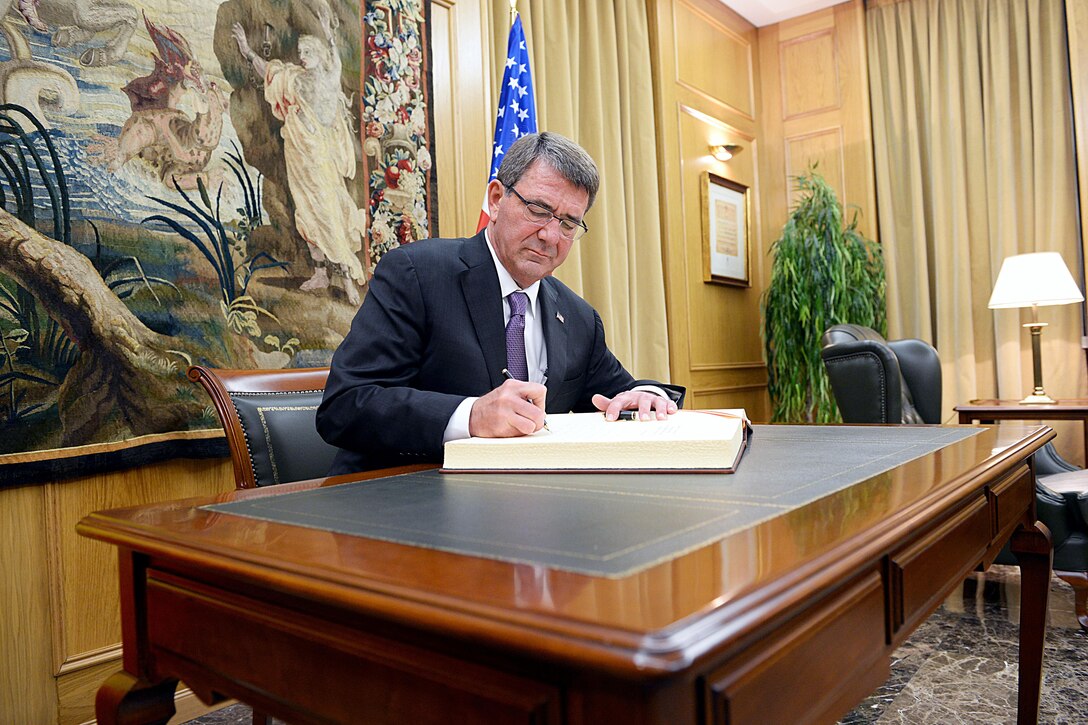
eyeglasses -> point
(542, 216)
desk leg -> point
(1033, 550)
(126, 700)
(1084, 429)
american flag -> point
(517, 107)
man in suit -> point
(426, 358)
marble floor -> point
(958, 667)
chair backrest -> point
(879, 381)
(269, 418)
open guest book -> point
(710, 441)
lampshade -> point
(1038, 279)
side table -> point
(989, 411)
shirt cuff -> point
(457, 428)
(653, 389)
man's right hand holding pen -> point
(515, 408)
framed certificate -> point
(726, 211)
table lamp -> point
(1034, 280)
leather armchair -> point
(899, 381)
(876, 381)
(1062, 504)
(268, 416)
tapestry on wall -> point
(191, 182)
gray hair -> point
(322, 48)
(570, 160)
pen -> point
(506, 374)
(627, 415)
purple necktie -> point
(515, 336)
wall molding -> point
(712, 367)
(721, 389)
(83, 660)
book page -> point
(683, 425)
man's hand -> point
(515, 408)
(649, 405)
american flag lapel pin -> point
(559, 316)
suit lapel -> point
(480, 286)
(555, 333)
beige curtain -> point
(591, 74)
(973, 142)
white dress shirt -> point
(536, 356)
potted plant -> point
(824, 273)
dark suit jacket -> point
(429, 334)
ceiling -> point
(769, 12)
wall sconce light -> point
(725, 152)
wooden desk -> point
(991, 411)
(792, 620)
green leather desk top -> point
(603, 524)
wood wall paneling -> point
(707, 93)
(750, 397)
(27, 688)
(726, 76)
(824, 149)
(816, 109)
(85, 571)
(721, 318)
(810, 74)
(59, 616)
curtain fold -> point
(973, 137)
(593, 82)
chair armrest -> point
(1056, 511)
(1048, 462)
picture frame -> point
(726, 225)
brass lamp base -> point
(1038, 396)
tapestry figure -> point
(318, 152)
(176, 146)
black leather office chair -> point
(877, 381)
(268, 416)
(899, 381)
